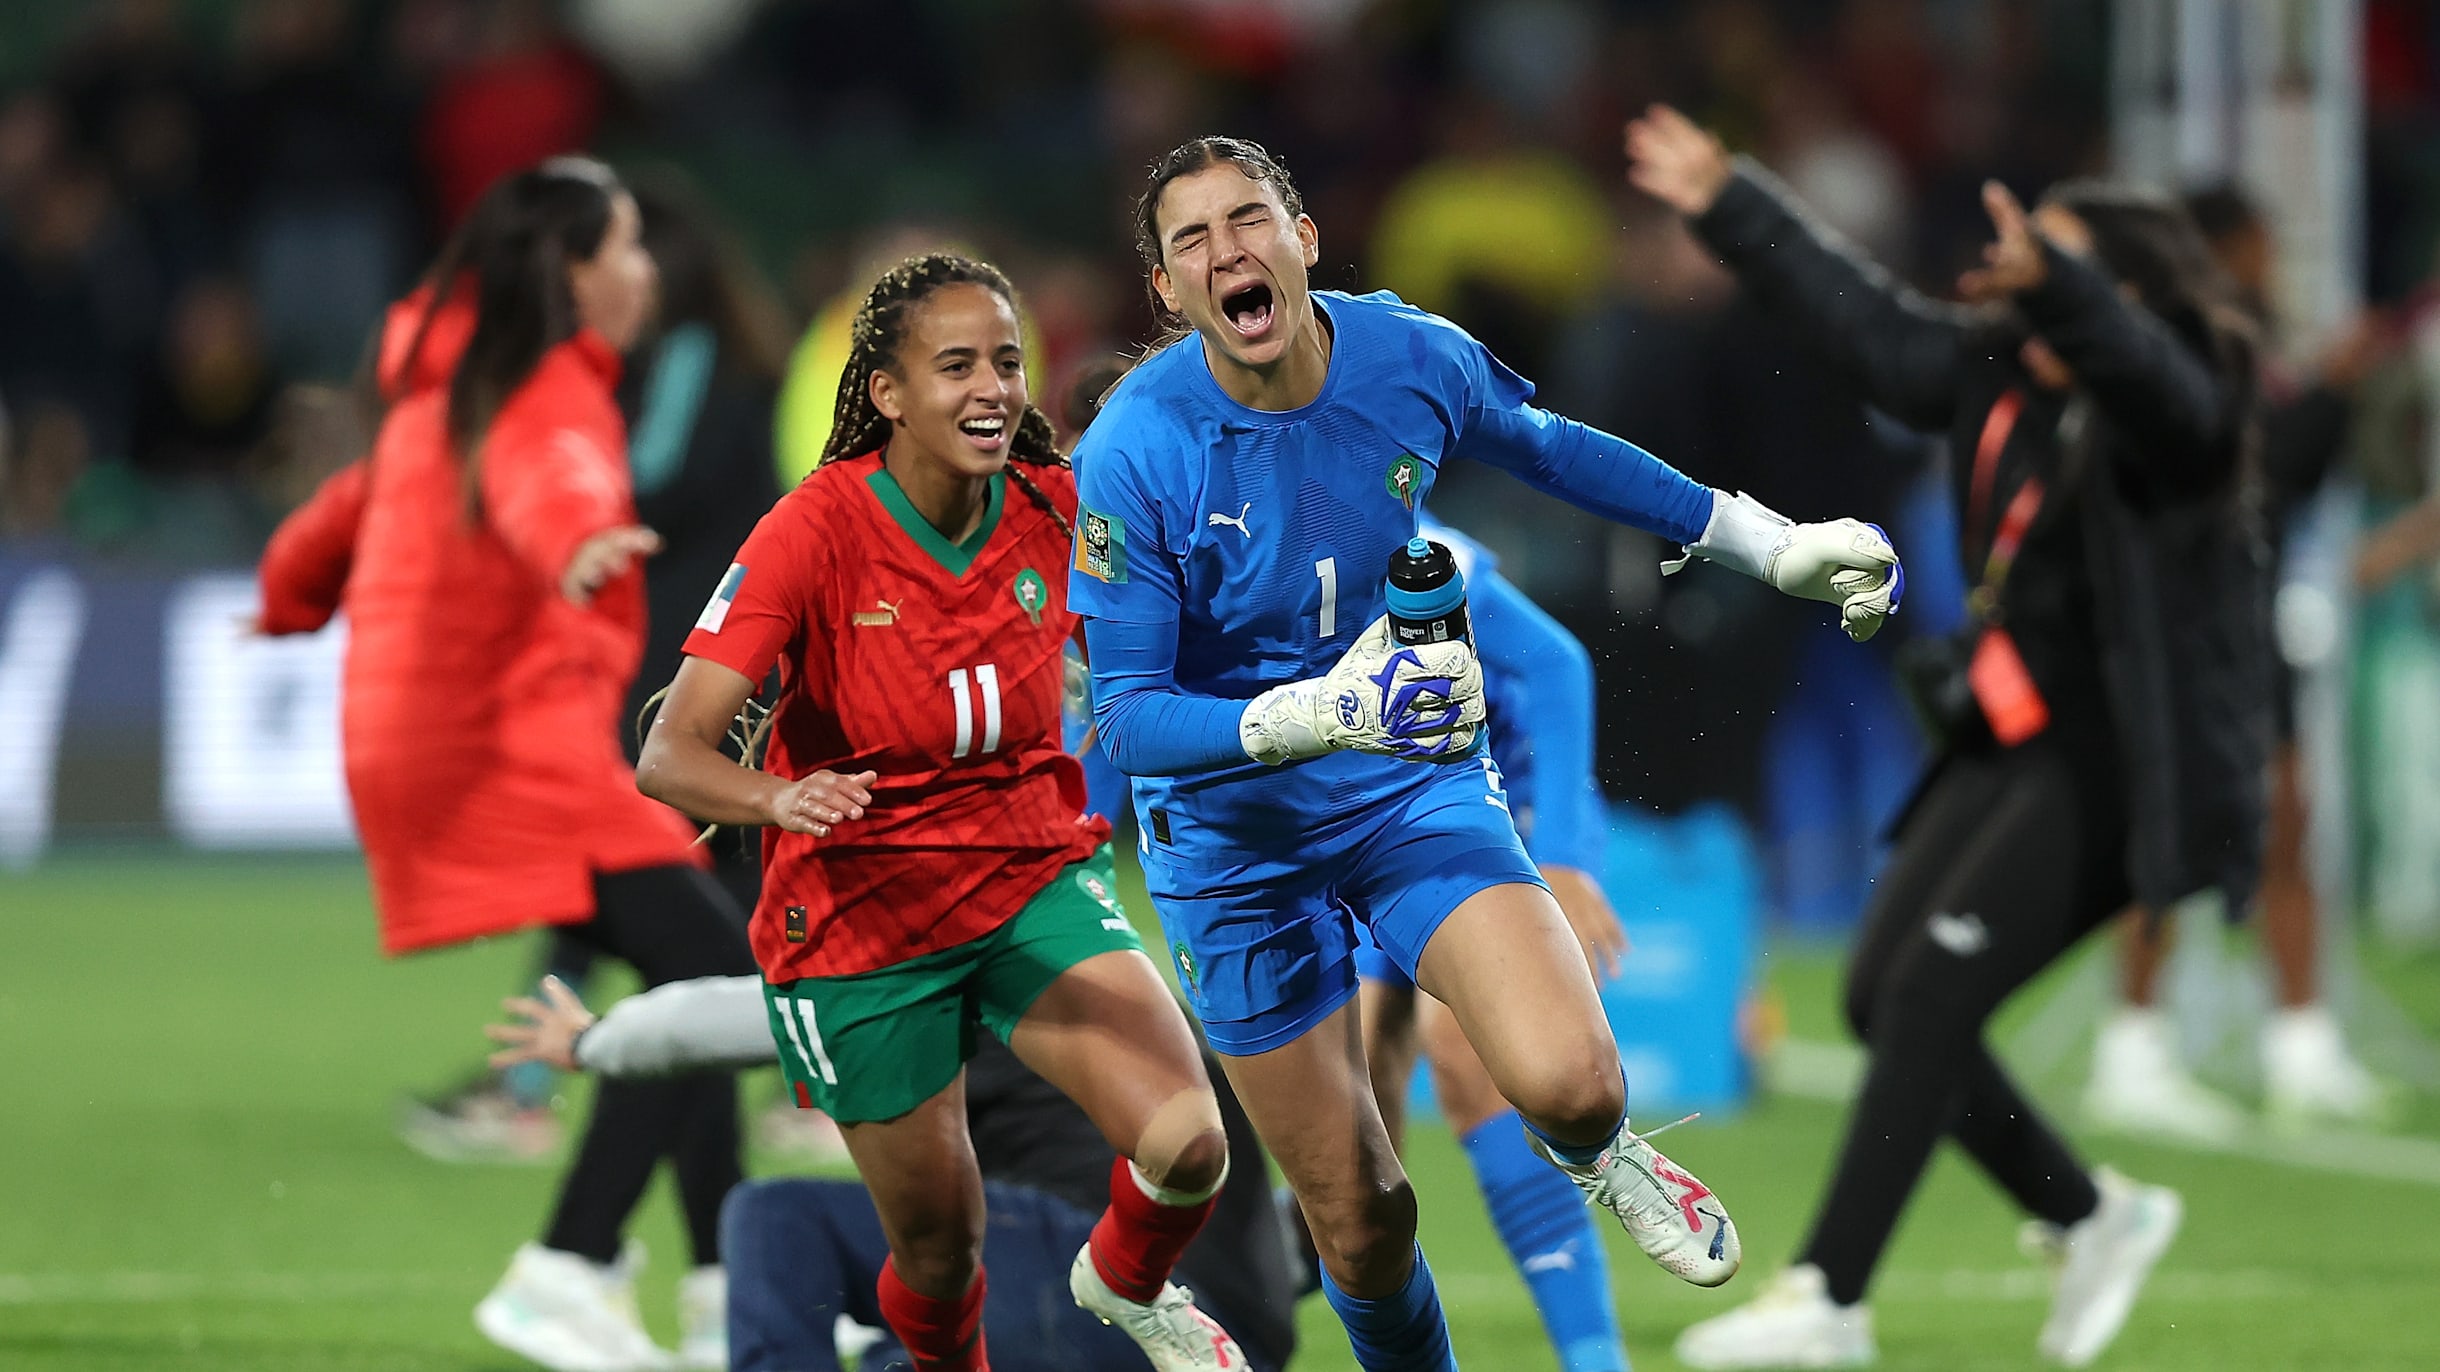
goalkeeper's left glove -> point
(1423, 703)
(1843, 562)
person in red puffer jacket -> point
(488, 559)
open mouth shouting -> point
(987, 433)
(1247, 309)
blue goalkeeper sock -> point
(1542, 1218)
(1400, 1332)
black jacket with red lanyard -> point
(2115, 526)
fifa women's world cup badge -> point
(1101, 546)
(1033, 594)
(1404, 479)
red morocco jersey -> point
(937, 666)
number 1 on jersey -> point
(986, 684)
(1328, 570)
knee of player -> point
(1183, 1147)
(1196, 1168)
(1370, 1236)
(1577, 1094)
(937, 1264)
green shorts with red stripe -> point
(874, 1045)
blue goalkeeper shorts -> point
(1374, 965)
(1266, 946)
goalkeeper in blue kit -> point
(1241, 494)
(1538, 682)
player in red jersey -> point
(928, 867)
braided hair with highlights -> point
(880, 329)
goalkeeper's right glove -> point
(1423, 703)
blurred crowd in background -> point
(205, 205)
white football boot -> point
(1675, 1219)
(703, 1319)
(2103, 1260)
(1175, 1335)
(1792, 1323)
(2141, 1086)
(571, 1314)
(2308, 1076)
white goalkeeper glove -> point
(1423, 703)
(1843, 562)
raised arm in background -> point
(1906, 351)
(2154, 386)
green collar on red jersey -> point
(957, 557)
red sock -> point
(1138, 1239)
(941, 1336)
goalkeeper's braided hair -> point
(880, 329)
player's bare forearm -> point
(692, 776)
(682, 765)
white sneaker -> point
(1792, 1323)
(570, 1314)
(703, 1319)
(851, 1341)
(1175, 1335)
(1657, 1202)
(2103, 1261)
(480, 1123)
(2308, 1075)
(2141, 1086)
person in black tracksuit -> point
(2107, 723)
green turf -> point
(199, 1061)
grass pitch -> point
(200, 1061)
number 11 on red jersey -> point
(985, 684)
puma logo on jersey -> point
(882, 615)
(1238, 523)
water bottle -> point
(1427, 596)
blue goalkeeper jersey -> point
(1221, 550)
